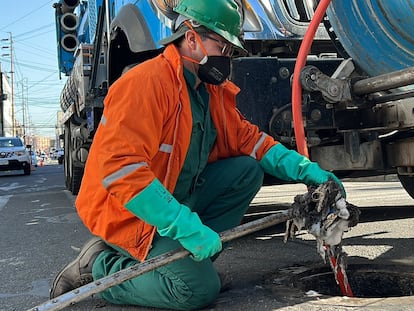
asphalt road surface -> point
(40, 232)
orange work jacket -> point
(144, 134)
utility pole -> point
(10, 39)
(24, 100)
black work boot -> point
(79, 271)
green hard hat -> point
(221, 16)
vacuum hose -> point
(296, 86)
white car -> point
(14, 155)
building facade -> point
(6, 123)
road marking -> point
(12, 186)
(3, 200)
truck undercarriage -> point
(358, 118)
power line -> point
(32, 31)
(32, 47)
(25, 65)
(34, 36)
(24, 16)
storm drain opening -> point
(366, 281)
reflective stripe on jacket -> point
(144, 133)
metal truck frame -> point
(357, 111)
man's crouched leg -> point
(181, 285)
(79, 271)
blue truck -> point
(355, 114)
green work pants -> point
(221, 197)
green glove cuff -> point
(289, 165)
(155, 205)
(199, 239)
(285, 164)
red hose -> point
(296, 86)
(340, 276)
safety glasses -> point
(226, 50)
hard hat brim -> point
(175, 36)
(178, 30)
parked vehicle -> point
(14, 155)
(354, 114)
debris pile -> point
(324, 213)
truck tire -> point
(408, 184)
(73, 172)
(27, 170)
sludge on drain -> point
(367, 281)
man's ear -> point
(190, 38)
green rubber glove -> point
(156, 205)
(289, 165)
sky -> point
(36, 73)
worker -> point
(172, 164)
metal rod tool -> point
(126, 274)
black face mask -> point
(215, 70)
